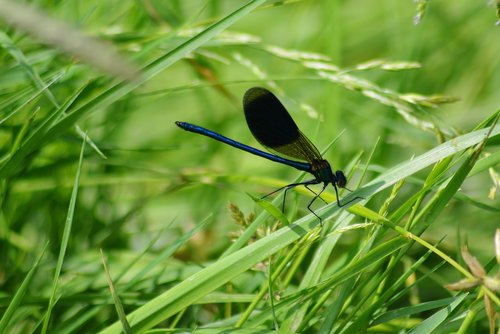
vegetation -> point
(115, 220)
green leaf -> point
(438, 318)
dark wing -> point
(274, 128)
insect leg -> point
(312, 201)
(290, 186)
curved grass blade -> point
(438, 318)
(116, 297)
(64, 242)
(269, 207)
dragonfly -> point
(273, 127)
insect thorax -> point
(322, 171)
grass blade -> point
(18, 297)
(64, 242)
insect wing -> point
(274, 128)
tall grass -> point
(91, 161)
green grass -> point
(114, 220)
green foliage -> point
(93, 169)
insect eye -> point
(341, 180)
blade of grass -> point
(415, 309)
(271, 209)
(431, 323)
(116, 299)
(18, 297)
(64, 242)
